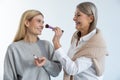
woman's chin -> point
(39, 33)
(77, 27)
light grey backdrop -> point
(60, 13)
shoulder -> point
(45, 42)
(11, 48)
(14, 45)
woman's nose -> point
(74, 18)
(42, 26)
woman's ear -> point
(91, 18)
(26, 23)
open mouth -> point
(78, 23)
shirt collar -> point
(88, 36)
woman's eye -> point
(78, 15)
(39, 20)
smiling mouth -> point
(78, 23)
(39, 28)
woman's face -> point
(82, 21)
(35, 26)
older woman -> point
(86, 56)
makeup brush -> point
(50, 27)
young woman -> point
(28, 57)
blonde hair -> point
(89, 8)
(27, 15)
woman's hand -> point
(40, 61)
(56, 38)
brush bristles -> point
(46, 26)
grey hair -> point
(89, 8)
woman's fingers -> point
(58, 30)
(40, 61)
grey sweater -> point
(19, 61)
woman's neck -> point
(83, 33)
(30, 38)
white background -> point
(60, 13)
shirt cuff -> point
(47, 63)
(60, 54)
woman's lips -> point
(77, 23)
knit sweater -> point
(95, 49)
(19, 61)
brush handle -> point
(50, 27)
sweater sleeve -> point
(52, 66)
(9, 65)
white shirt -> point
(82, 68)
